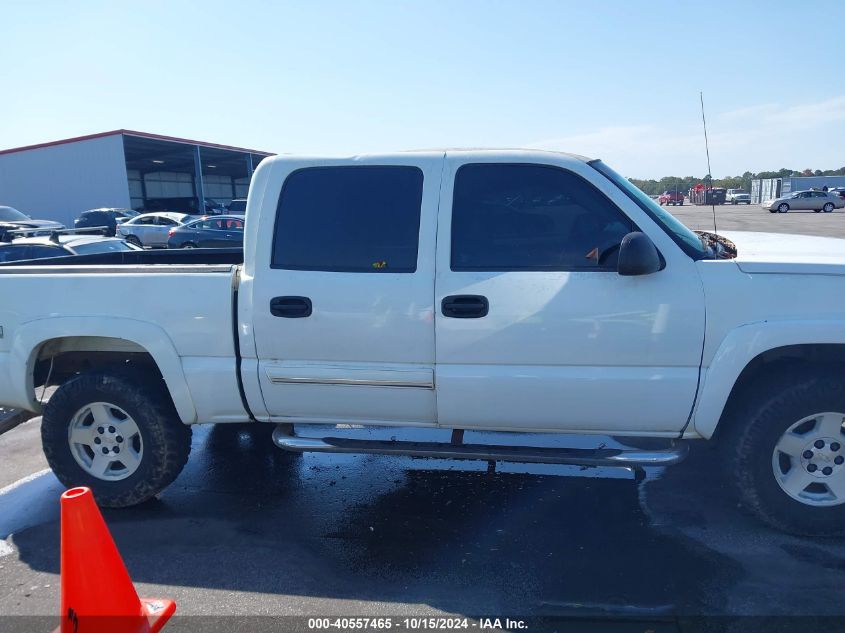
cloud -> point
(754, 138)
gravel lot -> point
(250, 530)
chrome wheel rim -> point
(809, 460)
(105, 441)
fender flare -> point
(31, 335)
(740, 347)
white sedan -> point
(151, 229)
(805, 200)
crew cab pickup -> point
(455, 291)
(737, 196)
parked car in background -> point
(108, 217)
(213, 207)
(237, 206)
(671, 197)
(11, 216)
(805, 201)
(219, 231)
(838, 191)
(151, 229)
(738, 196)
(60, 245)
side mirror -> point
(638, 255)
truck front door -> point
(343, 307)
(536, 330)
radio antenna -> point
(709, 171)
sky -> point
(619, 80)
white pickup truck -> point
(737, 196)
(520, 291)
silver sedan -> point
(805, 201)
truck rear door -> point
(343, 307)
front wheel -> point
(828, 207)
(783, 207)
(117, 433)
(786, 455)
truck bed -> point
(181, 301)
(185, 257)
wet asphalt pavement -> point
(249, 529)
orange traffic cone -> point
(97, 593)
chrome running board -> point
(608, 457)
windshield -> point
(683, 237)
(104, 246)
(10, 214)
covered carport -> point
(171, 174)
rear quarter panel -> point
(185, 316)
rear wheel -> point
(117, 433)
(786, 454)
(783, 207)
(828, 207)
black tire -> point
(166, 440)
(817, 210)
(783, 208)
(753, 430)
(134, 241)
(681, 203)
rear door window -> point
(36, 251)
(13, 253)
(349, 219)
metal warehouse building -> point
(122, 168)
(771, 188)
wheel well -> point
(59, 359)
(767, 370)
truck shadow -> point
(246, 517)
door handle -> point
(465, 306)
(290, 307)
